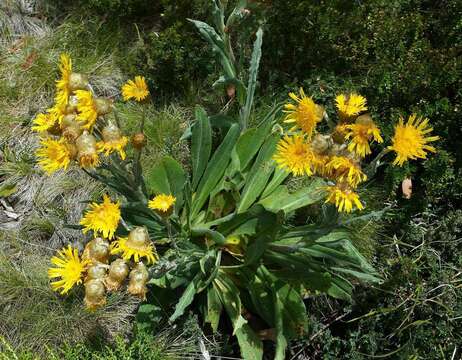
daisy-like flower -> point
(62, 85)
(345, 170)
(343, 197)
(360, 134)
(137, 89)
(69, 268)
(294, 154)
(305, 114)
(112, 141)
(410, 140)
(53, 155)
(162, 203)
(350, 105)
(87, 108)
(102, 218)
(137, 246)
(44, 122)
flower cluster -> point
(338, 156)
(108, 262)
(77, 127)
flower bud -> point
(96, 271)
(95, 294)
(365, 119)
(71, 128)
(103, 106)
(138, 237)
(111, 133)
(139, 141)
(78, 81)
(86, 146)
(138, 278)
(71, 107)
(321, 143)
(97, 250)
(118, 272)
(72, 150)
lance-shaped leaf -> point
(201, 145)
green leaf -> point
(7, 189)
(214, 308)
(185, 300)
(279, 176)
(258, 176)
(249, 343)
(253, 71)
(215, 169)
(281, 341)
(282, 200)
(358, 274)
(201, 145)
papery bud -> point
(86, 146)
(103, 106)
(95, 294)
(138, 278)
(231, 91)
(321, 143)
(71, 128)
(365, 119)
(111, 133)
(97, 250)
(118, 272)
(406, 187)
(78, 81)
(138, 237)
(139, 141)
(55, 130)
(71, 107)
(96, 271)
(72, 150)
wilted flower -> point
(137, 89)
(68, 268)
(139, 141)
(137, 245)
(410, 140)
(102, 218)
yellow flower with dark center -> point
(350, 105)
(360, 135)
(137, 89)
(53, 155)
(344, 198)
(294, 154)
(112, 141)
(137, 246)
(162, 202)
(102, 218)
(44, 122)
(345, 170)
(68, 268)
(62, 85)
(410, 140)
(305, 114)
(86, 106)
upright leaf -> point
(201, 145)
(249, 343)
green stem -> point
(372, 168)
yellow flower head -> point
(350, 105)
(344, 198)
(53, 155)
(410, 140)
(44, 122)
(62, 85)
(162, 202)
(86, 106)
(68, 268)
(306, 114)
(360, 134)
(345, 170)
(114, 145)
(102, 218)
(137, 246)
(294, 154)
(137, 89)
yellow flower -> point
(53, 155)
(136, 245)
(44, 122)
(306, 114)
(86, 106)
(68, 267)
(410, 140)
(102, 218)
(137, 89)
(344, 198)
(62, 85)
(360, 134)
(345, 170)
(162, 202)
(351, 104)
(294, 154)
(114, 145)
